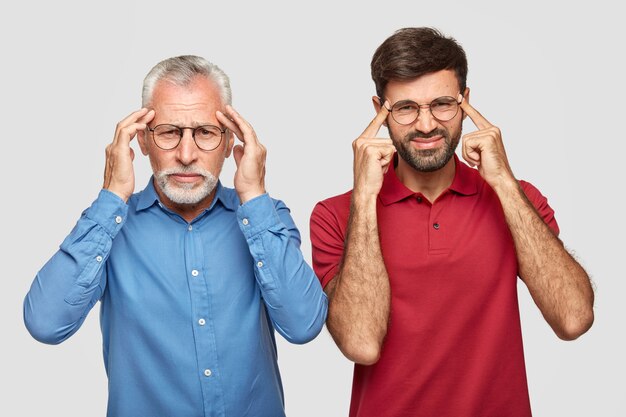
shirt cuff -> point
(109, 211)
(257, 215)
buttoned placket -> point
(438, 238)
(202, 324)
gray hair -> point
(181, 70)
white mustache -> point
(186, 170)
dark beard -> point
(427, 160)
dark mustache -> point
(422, 135)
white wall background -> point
(551, 75)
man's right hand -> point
(119, 175)
(372, 157)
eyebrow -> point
(194, 124)
(406, 101)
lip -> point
(427, 143)
(186, 177)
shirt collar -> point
(149, 196)
(466, 179)
(465, 182)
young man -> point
(192, 277)
(420, 260)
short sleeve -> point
(327, 240)
(540, 202)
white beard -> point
(185, 193)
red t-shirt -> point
(454, 344)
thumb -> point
(237, 153)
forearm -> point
(558, 284)
(56, 305)
(72, 281)
(359, 294)
(292, 293)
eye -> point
(207, 132)
(443, 104)
(167, 132)
(405, 107)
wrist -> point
(120, 194)
(508, 191)
(363, 199)
(505, 183)
(248, 195)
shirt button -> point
(207, 372)
(436, 226)
(245, 222)
(190, 228)
(419, 199)
(118, 219)
(195, 272)
(98, 258)
(201, 322)
(259, 264)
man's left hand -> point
(484, 149)
(249, 156)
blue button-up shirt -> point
(188, 310)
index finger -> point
(135, 116)
(244, 126)
(135, 121)
(372, 129)
(230, 124)
(478, 119)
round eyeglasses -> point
(206, 137)
(406, 112)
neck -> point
(430, 184)
(187, 211)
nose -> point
(425, 121)
(187, 151)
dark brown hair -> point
(412, 52)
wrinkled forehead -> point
(191, 104)
(425, 88)
(198, 90)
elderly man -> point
(192, 277)
(420, 260)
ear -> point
(466, 96)
(377, 105)
(230, 141)
(142, 140)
